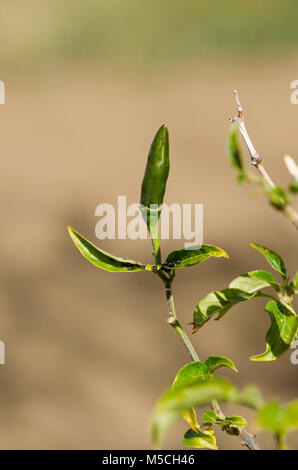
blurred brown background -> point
(87, 84)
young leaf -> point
(218, 302)
(100, 258)
(273, 258)
(293, 188)
(216, 362)
(175, 402)
(235, 421)
(210, 417)
(284, 300)
(295, 280)
(182, 258)
(192, 373)
(235, 152)
(281, 333)
(254, 281)
(233, 425)
(191, 418)
(278, 197)
(196, 372)
(200, 439)
(294, 283)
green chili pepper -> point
(154, 186)
(157, 170)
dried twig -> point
(291, 166)
(256, 160)
(249, 440)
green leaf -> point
(210, 417)
(190, 374)
(251, 397)
(294, 283)
(174, 402)
(196, 372)
(281, 333)
(235, 152)
(230, 424)
(241, 177)
(278, 197)
(273, 258)
(280, 419)
(293, 188)
(284, 300)
(254, 281)
(215, 362)
(104, 260)
(200, 439)
(295, 280)
(182, 258)
(233, 425)
(191, 418)
(218, 302)
(235, 421)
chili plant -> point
(195, 384)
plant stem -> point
(248, 439)
(256, 160)
(173, 320)
(153, 230)
(156, 248)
